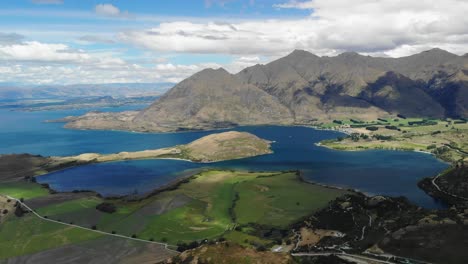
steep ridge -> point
(302, 88)
(211, 99)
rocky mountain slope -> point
(303, 88)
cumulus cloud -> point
(78, 74)
(37, 51)
(366, 26)
(109, 10)
(47, 2)
(50, 63)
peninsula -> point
(211, 148)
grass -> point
(70, 206)
(424, 137)
(207, 206)
(280, 199)
(244, 239)
(29, 234)
(223, 199)
(26, 190)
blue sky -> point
(93, 41)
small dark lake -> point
(393, 173)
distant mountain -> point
(116, 90)
(302, 88)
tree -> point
(106, 207)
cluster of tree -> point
(425, 122)
(356, 137)
(432, 146)
(441, 150)
(357, 121)
(194, 244)
(338, 122)
(358, 125)
(231, 209)
(372, 128)
(106, 207)
(382, 137)
(392, 128)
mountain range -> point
(14, 92)
(302, 88)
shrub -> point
(382, 137)
(106, 207)
(372, 128)
(432, 146)
(391, 127)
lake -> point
(393, 173)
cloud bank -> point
(382, 27)
(376, 27)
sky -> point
(49, 42)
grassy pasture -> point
(209, 205)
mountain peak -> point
(301, 53)
(349, 54)
(213, 72)
(438, 52)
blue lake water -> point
(393, 173)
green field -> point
(26, 190)
(445, 138)
(29, 234)
(207, 206)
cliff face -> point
(303, 87)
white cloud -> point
(37, 51)
(109, 10)
(51, 63)
(76, 74)
(334, 26)
(56, 53)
